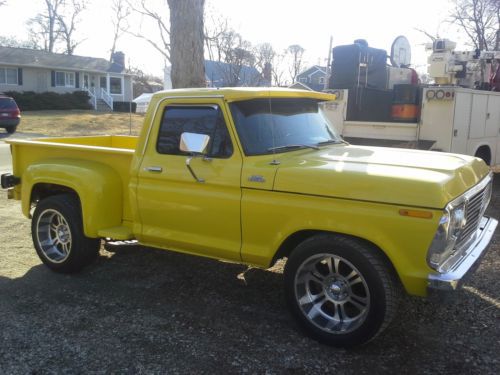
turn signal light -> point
(416, 213)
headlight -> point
(450, 226)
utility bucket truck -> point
(386, 106)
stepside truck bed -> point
(113, 154)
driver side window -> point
(207, 120)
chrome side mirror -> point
(196, 145)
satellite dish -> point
(400, 52)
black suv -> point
(10, 115)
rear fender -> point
(98, 186)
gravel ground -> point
(141, 310)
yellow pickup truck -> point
(256, 175)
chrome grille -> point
(474, 212)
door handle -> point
(153, 169)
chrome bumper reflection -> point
(466, 265)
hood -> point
(378, 174)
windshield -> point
(266, 126)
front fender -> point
(99, 188)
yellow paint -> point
(98, 171)
(248, 206)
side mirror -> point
(194, 143)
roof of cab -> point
(242, 93)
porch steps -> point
(102, 106)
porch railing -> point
(92, 97)
(107, 98)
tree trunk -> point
(186, 43)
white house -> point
(25, 69)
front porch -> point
(104, 90)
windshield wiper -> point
(330, 142)
(289, 147)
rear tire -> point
(57, 232)
(341, 291)
(11, 129)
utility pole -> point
(328, 70)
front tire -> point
(57, 232)
(341, 291)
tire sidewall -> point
(377, 309)
(73, 218)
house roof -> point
(143, 98)
(220, 74)
(312, 70)
(26, 57)
(300, 86)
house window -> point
(303, 80)
(102, 83)
(322, 80)
(115, 85)
(65, 79)
(8, 76)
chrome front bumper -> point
(465, 266)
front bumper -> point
(465, 266)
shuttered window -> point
(65, 79)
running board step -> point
(117, 233)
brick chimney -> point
(118, 58)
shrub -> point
(32, 101)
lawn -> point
(78, 122)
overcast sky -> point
(309, 23)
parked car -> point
(10, 115)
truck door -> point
(177, 211)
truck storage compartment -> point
(358, 64)
(406, 103)
(368, 104)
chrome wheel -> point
(54, 236)
(331, 293)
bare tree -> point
(278, 70)
(232, 52)
(159, 18)
(13, 42)
(239, 56)
(56, 24)
(120, 13)
(43, 28)
(144, 83)
(186, 43)
(3, 2)
(215, 28)
(67, 19)
(480, 20)
(296, 54)
(264, 54)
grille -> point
(474, 212)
